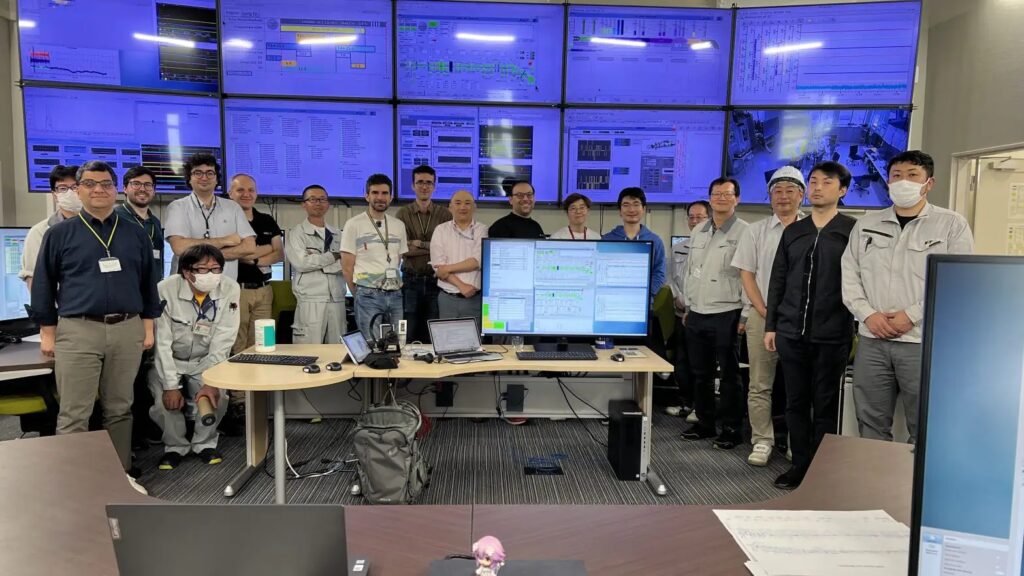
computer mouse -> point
(618, 357)
(311, 369)
(334, 366)
(425, 357)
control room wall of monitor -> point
(573, 97)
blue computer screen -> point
(565, 287)
(835, 54)
(762, 141)
(305, 48)
(478, 148)
(480, 51)
(289, 144)
(971, 507)
(15, 293)
(669, 55)
(671, 154)
(133, 43)
(69, 126)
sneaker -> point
(673, 410)
(170, 461)
(516, 421)
(691, 418)
(697, 432)
(760, 454)
(727, 440)
(789, 479)
(210, 456)
(138, 487)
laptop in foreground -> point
(457, 341)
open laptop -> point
(255, 540)
(457, 341)
(358, 347)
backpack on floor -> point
(391, 466)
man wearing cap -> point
(754, 257)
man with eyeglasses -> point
(577, 208)
(202, 218)
(94, 297)
(714, 305)
(314, 253)
(195, 332)
(65, 205)
(518, 223)
(419, 284)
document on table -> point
(813, 543)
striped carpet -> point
(481, 463)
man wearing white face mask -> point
(66, 204)
(883, 286)
(194, 333)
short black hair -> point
(375, 179)
(574, 198)
(704, 203)
(833, 170)
(199, 159)
(915, 157)
(313, 187)
(197, 254)
(61, 172)
(95, 166)
(632, 192)
(513, 182)
(135, 172)
(724, 180)
(423, 169)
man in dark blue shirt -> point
(94, 297)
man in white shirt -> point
(455, 254)
(314, 253)
(372, 245)
(66, 204)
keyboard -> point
(555, 355)
(273, 359)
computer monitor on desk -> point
(968, 506)
(15, 292)
(565, 288)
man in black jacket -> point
(807, 322)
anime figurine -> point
(490, 556)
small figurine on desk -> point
(490, 556)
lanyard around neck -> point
(106, 245)
(383, 238)
(573, 235)
(206, 217)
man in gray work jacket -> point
(314, 251)
(714, 305)
(883, 286)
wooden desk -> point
(23, 357)
(258, 379)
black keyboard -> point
(274, 359)
(555, 355)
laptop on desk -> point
(457, 341)
(254, 540)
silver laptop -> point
(457, 341)
(255, 540)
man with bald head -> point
(455, 255)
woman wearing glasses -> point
(577, 208)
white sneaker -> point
(691, 418)
(760, 454)
(673, 410)
(138, 487)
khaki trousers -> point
(254, 304)
(762, 378)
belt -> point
(454, 294)
(409, 274)
(106, 318)
(253, 285)
(372, 289)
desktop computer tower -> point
(626, 430)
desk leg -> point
(255, 441)
(643, 393)
(279, 449)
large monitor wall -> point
(575, 98)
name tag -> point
(391, 274)
(202, 328)
(156, 254)
(110, 264)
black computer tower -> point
(625, 438)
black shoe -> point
(233, 422)
(789, 479)
(697, 432)
(727, 441)
(170, 461)
(210, 456)
(135, 472)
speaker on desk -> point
(625, 438)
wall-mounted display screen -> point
(168, 45)
(285, 48)
(633, 55)
(70, 126)
(479, 51)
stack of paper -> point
(811, 543)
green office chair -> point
(37, 412)
(665, 312)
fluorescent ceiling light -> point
(618, 42)
(26, 23)
(164, 40)
(705, 45)
(320, 40)
(485, 37)
(792, 47)
(239, 43)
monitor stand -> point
(562, 345)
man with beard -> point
(419, 284)
(518, 224)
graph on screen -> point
(307, 48)
(479, 51)
(479, 148)
(670, 55)
(287, 145)
(672, 155)
(14, 290)
(835, 54)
